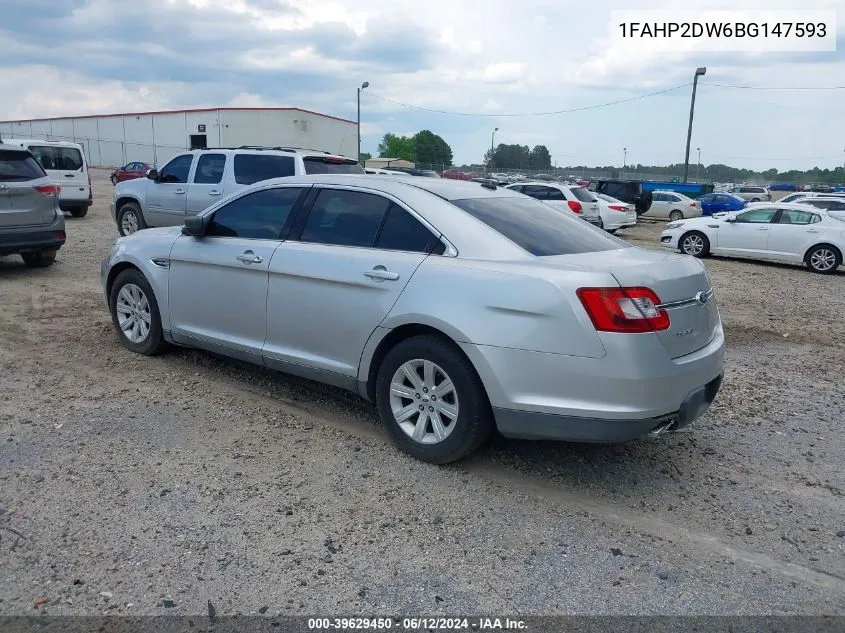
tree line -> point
(424, 147)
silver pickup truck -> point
(193, 181)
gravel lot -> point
(134, 485)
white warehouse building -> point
(113, 140)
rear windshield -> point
(537, 227)
(252, 168)
(55, 157)
(582, 194)
(19, 166)
(320, 165)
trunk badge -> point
(701, 297)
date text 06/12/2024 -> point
(417, 624)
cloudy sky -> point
(496, 57)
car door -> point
(218, 282)
(658, 206)
(337, 277)
(166, 197)
(794, 233)
(748, 234)
(206, 186)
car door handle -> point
(813, 231)
(382, 273)
(179, 191)
(214, 192)
(249, 257)
(68, 175)
(762, 228)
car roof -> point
(444, 188)
(9, 147)
(41, 141)
(256, 149)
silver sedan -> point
(455, 307)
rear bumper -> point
(630, 392)
(544, 426)
(20, 240)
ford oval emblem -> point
(701, 298)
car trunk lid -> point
(680, 282)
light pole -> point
(492, 136)
(698, 164)
(363, 85)
(624, 157)
(698, 73)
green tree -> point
(393, 146)
(363, 157)
(540, 157)
(431, 149)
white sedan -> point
(671, 205)
(790, 233)
(615, 214)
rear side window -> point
(403, 232)
(210, 169)
(19, 167)
(56, 157)
(344, 218)
(538, 228)
(252, 168)
(261, 215)
(582, 194)
(322, 165)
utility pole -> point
(492, 150)
(363, 85)
(698, 73)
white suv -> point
(193, 181)
(752, 194)
(578, 200)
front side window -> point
(757, 216)
(210, 169)
(344, 218)
(177, 170)
(261, 215)
(538, 192)
(253, 168)
(537, 227)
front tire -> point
(676, 215)
(114, 180)
(39, 259)
(695, 244)
(135, 313)
(130, 219)
(823, 259)
(431, 400)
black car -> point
(630, 191)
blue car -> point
(718, 202)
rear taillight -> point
(618, 207)
(574, 206)
(627, 310)
(693, 204)
(51, 191)
(61, 235)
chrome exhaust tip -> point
(661, 429)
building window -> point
(300, 125)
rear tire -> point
(695, 244)
(676, 215)
(79, 212)
(130, 219)
(411, 377)
(135, 314)
(823, 259)
(39, 259)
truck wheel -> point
(39, 259)
(130, 219)
(79, 212)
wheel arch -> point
(376, 351)
(828, 244)
(115, 271)
(123, 200)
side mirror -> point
(194, 226)
(730, 219)
(152, 174)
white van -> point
(66, 165)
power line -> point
(773, 87)
(566, 111)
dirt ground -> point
(133, 485)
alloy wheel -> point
(129, 222)
(424, 401)
(823, 259)
(133, 313)
(693, 245)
